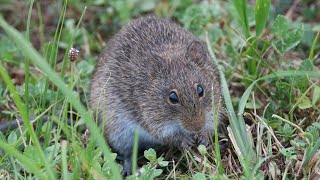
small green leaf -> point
(96, 165)
(85, 68)
(156, 173)
(12, 137)
(31, 153)
(254, 105)
(160, 159)
(305, 103)
(287, 130)
(294, 37)
(163, 163)
(199, 176)
(280, 27)
(303, 82)
(316, 125)
(7, 49)
(286, 34)
(147, 173)
(196, 18)
(298, 143)
(306, 65)
(147, 5)
(202, 149)
(289, 153)
(45, 126)
(261, 15)
(97, 153)
(315, 95)
(106, 170)
(150, 154)
(52, 151)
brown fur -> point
(134, 76)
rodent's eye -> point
(200, 90)
(173, 97)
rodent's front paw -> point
(127, 167)
(202, 139)
(188, 142)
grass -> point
(268, 56)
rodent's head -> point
(182, 87)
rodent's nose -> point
(193, 122)
(197, 128)
(194, 127)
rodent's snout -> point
(194, 126)
(197, 128)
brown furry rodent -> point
(155, 76)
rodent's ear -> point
(197, 53)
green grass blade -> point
(41, 24)
(276, 75)
(24, 115)
(135, 152)
(26, 65)
(261, 14)
(258, 166)
(216, 140)
(241, 7)
(311, 54)
(238, 127)
(23, 160)
(65, 58)
(314, 150)
(64, 159)
(27, 50)
(54, 49)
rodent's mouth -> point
(189, 131)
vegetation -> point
(268, 52)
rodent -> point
(156, 76)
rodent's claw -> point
(188, 142)
(202, 139)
